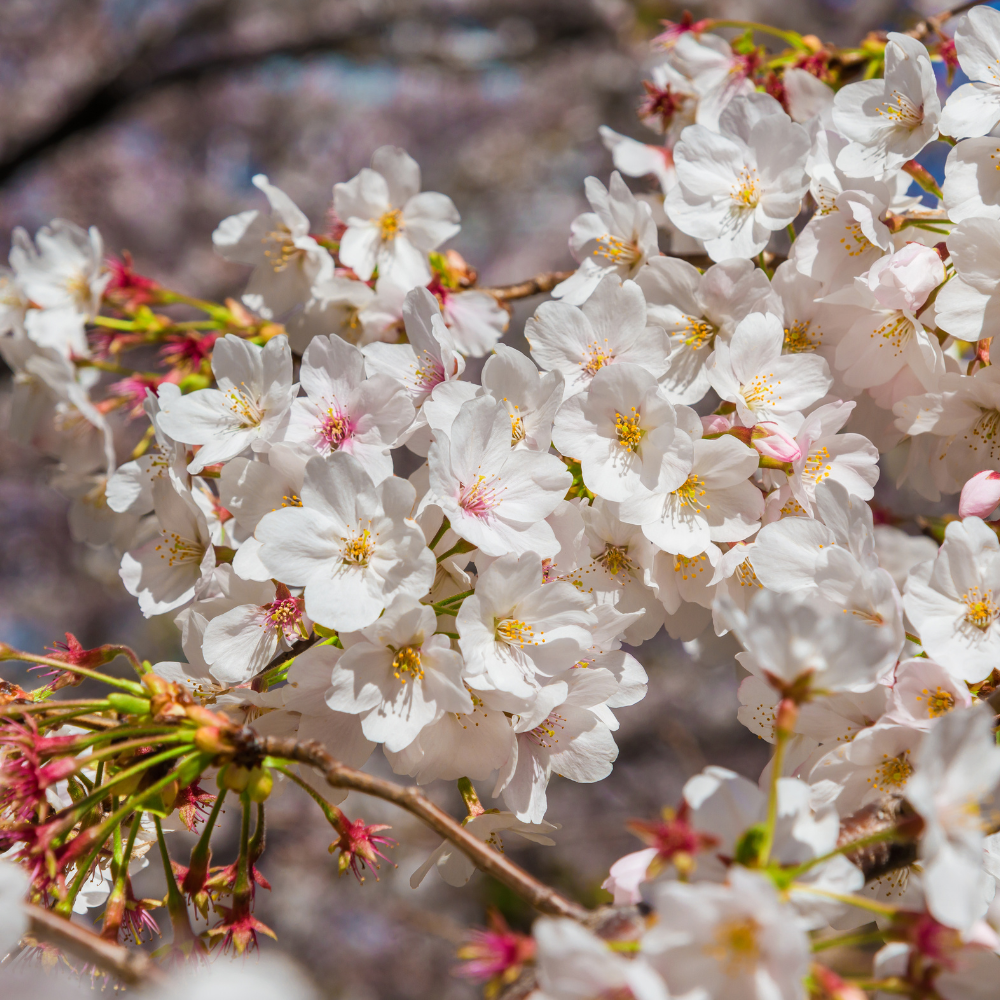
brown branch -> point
(936, 22)
(880, 858)
(132, 967)
(413, 800)
(537, 285)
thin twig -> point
(413, 800)
(131, 967)
(937, 21)
(537, 285)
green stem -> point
(791, 231)
(762, 265)
(217, 312)
(180, 922)
(445, 605)
(848, 940)
(201, 853)
(460, 546)
(451, 635)
(875, 838)
(913, 638)
(882, 909)
(445, 525)
(257, 840)
(65, 906)
(16, 654)
(243, 885)
(115, 324)
(80, 808)
(780, 742)
(114, 909)
(333, 815)
(792, 38)
(164, 734)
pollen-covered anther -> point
(360, 549)
(516, 632)
(617, 250)
(628, 430)
(407, 662)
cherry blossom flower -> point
(63, 280)
(695, 308)
(575, 964)
(494, 496)
(734, 187)
(614, 240)
(610, 327)
(516, 632)
(737, 941)
(764, 384)
(922, 692)
(336, 305)
(252, 400)
(904, 279)
(344, 411)
(531, 398)
(967, 305)
(973, 109)
(286, 260)
(952, 600)
(889, 121)
(350, 544)
(399, 676)
(957, 768)
(390, 223)
(623, 432)
(970, 190)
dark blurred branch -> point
(188, 53)
(132, 967)
(935, 23)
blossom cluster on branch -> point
(686, 448)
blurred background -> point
(148, 118)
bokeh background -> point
(148, 118)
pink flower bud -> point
(904, 279)
(716, 423)
(980, 495)
(769, 439)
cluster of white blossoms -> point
(685, 448)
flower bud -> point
(904, 279)
(980, 495)
(234, 777)
(769, 439)
(716, 423)
(260, 785)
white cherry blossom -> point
(889, 121)
(971, 186)
(531, 398)
(286, 260)
(973, 109)
(968, 306)
(391, 225)
(736, 186)
(344, 411)
(251, 402)
(610, 327)
(350, 544)
(612, 241)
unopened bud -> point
(209, 739)
(260, 785)
(234, 777)
(980, 495)
(769, 439)
(716, 423)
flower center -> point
(391, 224)
(690, 492)
(178, 550)
(895, 331)
(799, 338)
(334, 428)
(479, 498)
(746, 575)
(407, 661)
(690, 566)
(517, 432)
(241, 402)
(628, 430)
(698, 333)
(901, 111)
(282, 250)
(359, 550)
(283, 614)
(982, 611)
(892, 773)
(617, 250)
(293, 500)
(428, 372)
(746, 191)
(817, 465)
(615, 558)
(79, 289)
(938, 702)
(515, 632)
(984, 433)
(735, 946)
(596, 357)
(544, 734)
(760, 391)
